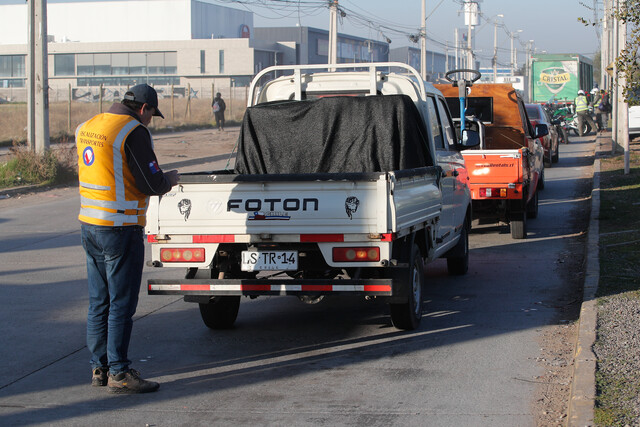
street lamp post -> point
(514, 53)
(495, 47)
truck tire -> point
(458, 264)
(532, 207)
(518, 224)
(408, 315)
(221, 312)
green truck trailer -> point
(560, 77)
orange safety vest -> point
(108, 194)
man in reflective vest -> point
(582, 110)
(118, 171)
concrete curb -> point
(583, 386)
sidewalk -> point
(583, 386)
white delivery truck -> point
(347, 180)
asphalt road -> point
(340, 362)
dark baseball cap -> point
(144, 94)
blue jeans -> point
(115, 258)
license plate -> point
(269, 260)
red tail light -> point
(492, 192)
(365, 254)
(182, 255)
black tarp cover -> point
(333, 135)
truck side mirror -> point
(541, 130)
(470, 138)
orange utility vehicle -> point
(506, 170)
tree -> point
(628, 12)
(627, 61)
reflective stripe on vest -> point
(581, 103)
(107, 188)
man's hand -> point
(172, 176)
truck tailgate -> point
(494, 168)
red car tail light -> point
(365, 254)
(182, 255)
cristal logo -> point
(554, 78)
(88, 156)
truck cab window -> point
(434, 123)
(447, 124)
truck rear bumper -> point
(257, 287)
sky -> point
(551, 24)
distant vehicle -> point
(537, 114)
(559, 77)
(634, 120)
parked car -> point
(537, 114)
(634, 120)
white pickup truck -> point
(345, 182)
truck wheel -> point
(519, 225)
(532, 207)
(407, 315)
(459, 264)
(220, 312)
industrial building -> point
(170, 44)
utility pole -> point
(456, 47)
(423, 41)
(333, 32)
(512, 61)
(38, 80)
(469, 44)
(622, 128)
(495, 50)
(605, 46)
(615, 88)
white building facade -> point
(118, 43)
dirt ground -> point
(558, 342)
(180, 146)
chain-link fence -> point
(182, 106)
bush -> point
(26, 167)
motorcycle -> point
(559, 119)
(572, 124)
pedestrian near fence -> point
(218, 106)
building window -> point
(171, 62)
(119, 64)
(322, 48)
(155, 62)
(85, 64)
(12, 65)
(202, 64)
(137, 63)
(64, 64)
(102, 64)
(221, 62)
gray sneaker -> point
(99, 377)
(129, 382)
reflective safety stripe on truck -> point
(246, 238)
(248, 286)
